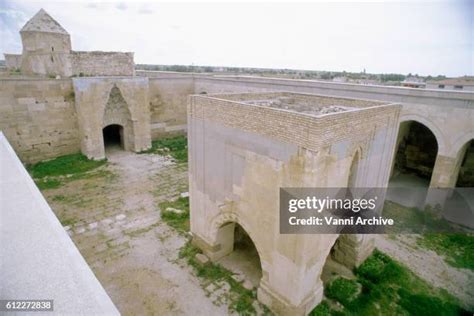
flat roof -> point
(308, 104)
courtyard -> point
(146, 263)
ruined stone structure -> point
(47, 51)
(244, 147)
(247, 137)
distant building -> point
(462, 84)
(340, 79)
(413, 82)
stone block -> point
(201, 258)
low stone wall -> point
(102, 64)
(38, 118)
(13, 61)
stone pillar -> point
(445, 172)
(224, 243)
(281, 305)
(352, 250)
(445, 175)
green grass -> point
(176, 147)
(342, 290)
(241, 298)
(45, 184)
(457, 249)
(64, 165)
(53, 173)
(178, 221)
(68, 221)
(388, 288)
(412, 220)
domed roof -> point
(43, 22)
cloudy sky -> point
(424, 37)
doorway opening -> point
(415, 156)
(113, 136)
(244, 260)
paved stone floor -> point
(114, 220)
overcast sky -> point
(428, 38)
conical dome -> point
(43, 22)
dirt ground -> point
(114, 220)
(429, 266)
(118, 231)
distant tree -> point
(392, 77)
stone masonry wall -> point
(38, 118)
(302, 130)
(102, 64)
(13, 61)
(168, 102)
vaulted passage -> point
(415, 156)
(466, 170)
(244, 260)
(113, 136)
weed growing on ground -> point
(176, 147)
(64, 165)
(53, 173)
(179, 221)
(241, 299)
(389, 288)
(342, 290)
(458, 249)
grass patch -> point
(179, 221)
(457, 249)
(342, 290)
(68, 221)
(53, 173)
(176, 147)
(45, 184)
(389, 288)
(241, 299)
(64, 165)
(413, 220)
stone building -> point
(47, 51)
(244, 147)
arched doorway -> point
(113, 136)
(243, 259)
(465, 177)
(415, 156)
(413, 164)
(460, 202)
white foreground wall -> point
(38, 260)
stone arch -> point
(116, 112)
(354, 168)
(439, 136)
(459, 143)
(113, 135)
(421, 164)
(116, 109)
(224, 218)
(462, 166)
